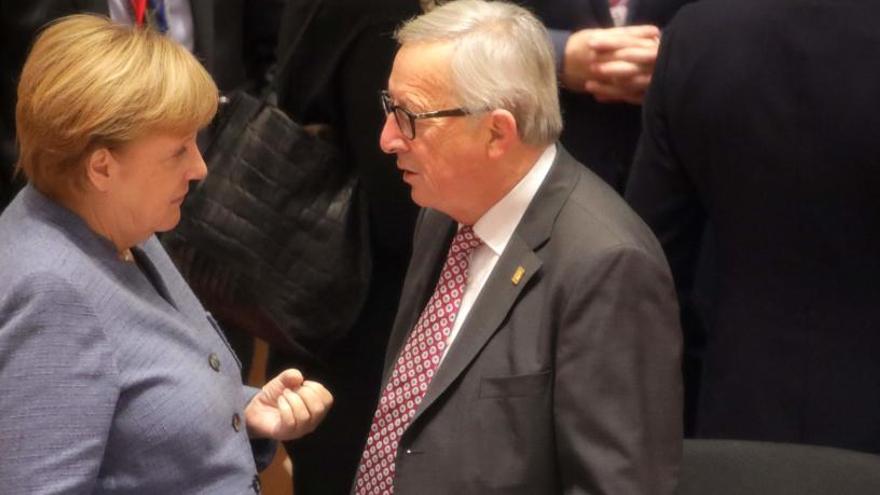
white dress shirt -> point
(178, 12)
(619, 12)
(495, 228)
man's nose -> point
(391, 140)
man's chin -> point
(418, 198)
(171, 221)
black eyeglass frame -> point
(389, 106)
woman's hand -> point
(288, 407)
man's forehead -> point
(420, 71)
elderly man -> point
(536, 347)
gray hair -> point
(502, 59)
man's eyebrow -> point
(410, 104)
(399, 98)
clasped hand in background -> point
(613, 64)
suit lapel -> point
(602, 13)
(500, 293)
(491, 307)
(635, 12)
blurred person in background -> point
(755, 125)
(605, 55)
(335, 57)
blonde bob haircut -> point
(502, 59)
(89, 82)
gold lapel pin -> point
(518, 275)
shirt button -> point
(214, 361)
(236, 422)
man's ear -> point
(100, 165)
(504, 133)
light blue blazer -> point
(113, 378)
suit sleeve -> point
(617, 390)
(659, 188)
(661, 191)
(58, 389)
(559, 38)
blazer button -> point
(255, 484)
(214, 361)
(236, 422)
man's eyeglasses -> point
(406, 120)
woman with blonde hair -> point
(113, 378)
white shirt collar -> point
(496, 226)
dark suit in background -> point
(603, 136)
(565, 382)
(762, 118)
(339, 54)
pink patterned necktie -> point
(414, 369)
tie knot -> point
(465, 241)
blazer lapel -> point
(153, 275)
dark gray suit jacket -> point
(567, 382)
